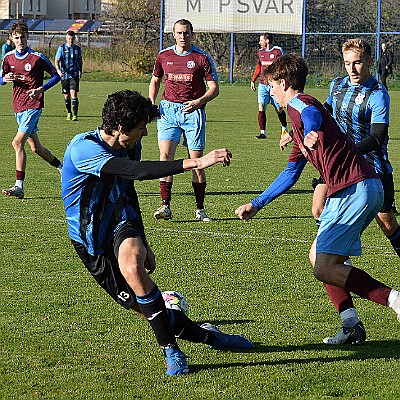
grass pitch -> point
(61, 337)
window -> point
(87, 4)
(30, 5)
(38, 5)
(94, 4)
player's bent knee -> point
(319, 272)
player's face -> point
(263, 42)
(183, 36)
(20, 41)
(277, 91)
(127, 140)
(70, 40)
(357, 66)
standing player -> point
(385, 64)
(106, 227)
(185, 68)
(355, 194)
(69, 66)
(25, 68)
(266, 55)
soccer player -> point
(6, 48)
(266, 55)
(25, 68)
(355, 195)
(106, 227)
(185, 68)
(68, 62)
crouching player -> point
(106, 227)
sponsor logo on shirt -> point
(180, 77)
(170, 63)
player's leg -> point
(194, 126)
(65, 90)
(386, 217)
(262, 116)
(169, 134)
(281, 115)
(74, 89)
(343, 220)
(43, 152)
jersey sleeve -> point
(329, 98)
(91, 160)
(256, 72)
(210, 73)
(158, 70)
(312, 119)
(59, 53)
(379, 102)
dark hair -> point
(20, 27)
(183, 22)
(268, 36)
(71, 33)
(291, 67)
(128, 109)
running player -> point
(266, 55)
(185, 69)
(106, 227)
(68, 62)
(25, 68)
(355, 195)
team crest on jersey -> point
(190, 64)
(27, 67)
(359, 99)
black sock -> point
(184, 328)
(75, 104)
(56, 162)
(395, 240)
(153, 308)
(68, 105)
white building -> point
(51, 9)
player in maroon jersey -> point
(355, 195)
(266, 55)
(186, 69)
(25, 68)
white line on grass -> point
(191, 231)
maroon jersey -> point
(29, 70)
(265, 58)
(336, 157)
(185, 74)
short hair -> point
(20, 27)
(268, 36)
(291, 67)
(128, 109)
(183, 22)
(357, 45)
(71, 33)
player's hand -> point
(190, 106)
(253, 86)
(311, 140)
(10, 77)
(150, 260)
(213, 157)
(35, 93)
(285, 140)
(246, 211)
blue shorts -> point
(264, 96)
(346, 215)
(173, 123)
(28, 120)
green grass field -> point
(61, 337)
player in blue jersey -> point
(68, 62)
(355, 194)
(106, 227)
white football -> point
(175, 301)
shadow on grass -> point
(370, 350)
(280, 218)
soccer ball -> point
(175, 301)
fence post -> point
(378, 34)
(304, 27)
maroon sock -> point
(165, 192)
(20, 175)
(359, 282)
(262, 120)
(340, 298)
(199, 193)
(282, 118)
